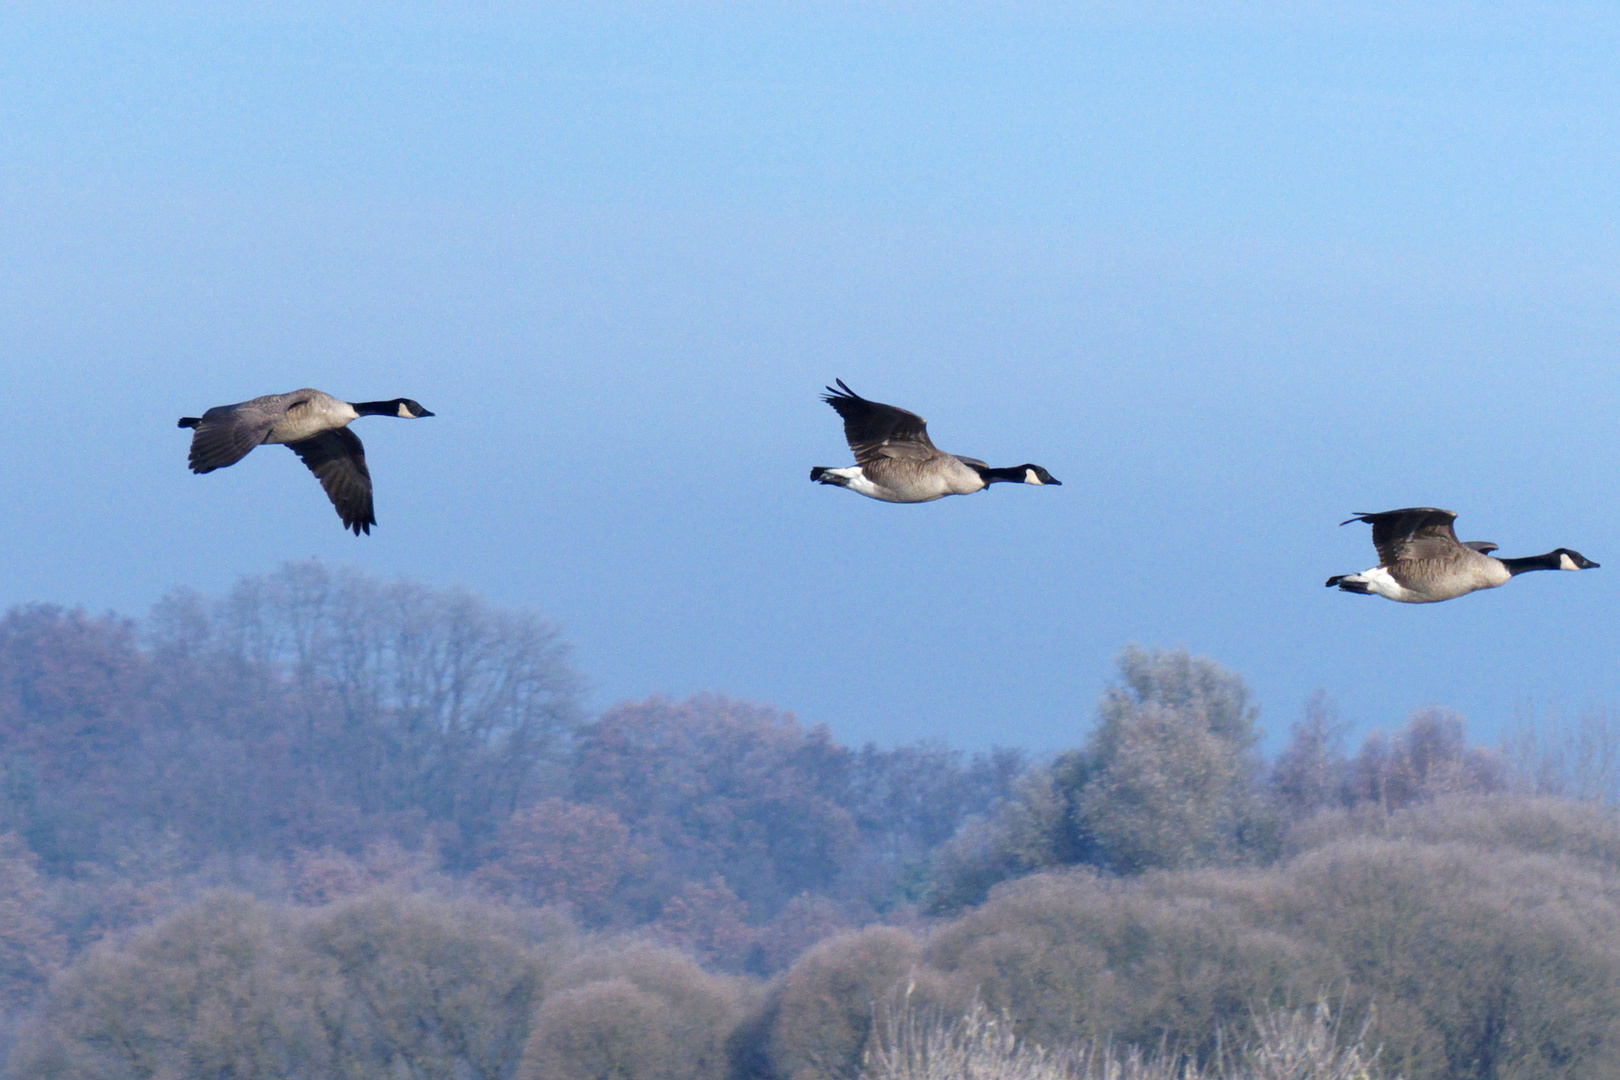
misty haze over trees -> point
(327, 825)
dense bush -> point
(1481, 964)
(636, 1012)
(382, 986)
(424, 985)
(1167, 778)
(30, 946)
(1508, 823)
(1076, 956)
(1482, 933)
(213, 991)
(820, 1017)
(713, 789)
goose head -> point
(1034, 474)
(1573, 560)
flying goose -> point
(311, 424)
(896, 461)
(1420, 560)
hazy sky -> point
(1230, 272)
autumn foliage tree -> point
(558, 852)
(75, 702)
(714, 789)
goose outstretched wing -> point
(339, 462)
(225, 434)
(1414, 534)
(875, 430)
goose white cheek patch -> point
(1031, 478)
(1566, 563)
(405, 413)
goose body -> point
(1421, 561)
(315, 426)
(895, 461)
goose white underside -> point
(1380, 581)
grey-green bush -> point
(635, 1011)
(819, 1018)
(377, 987)
(1528, 824)
(216, 990)
(1481, 963)
(425, 986)
(608, 1030)
(1076, 956)
(1482, 932)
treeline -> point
(331, 826)
(316, 731)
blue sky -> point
(1231, 272)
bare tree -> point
(1311, 772)
(393, 697)
(1579, 759)
(1430, 756)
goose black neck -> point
(1013, 475)
(1548, 561)
(376, 408)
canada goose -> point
(311, 424)
(896, 461)
(1420, 560)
